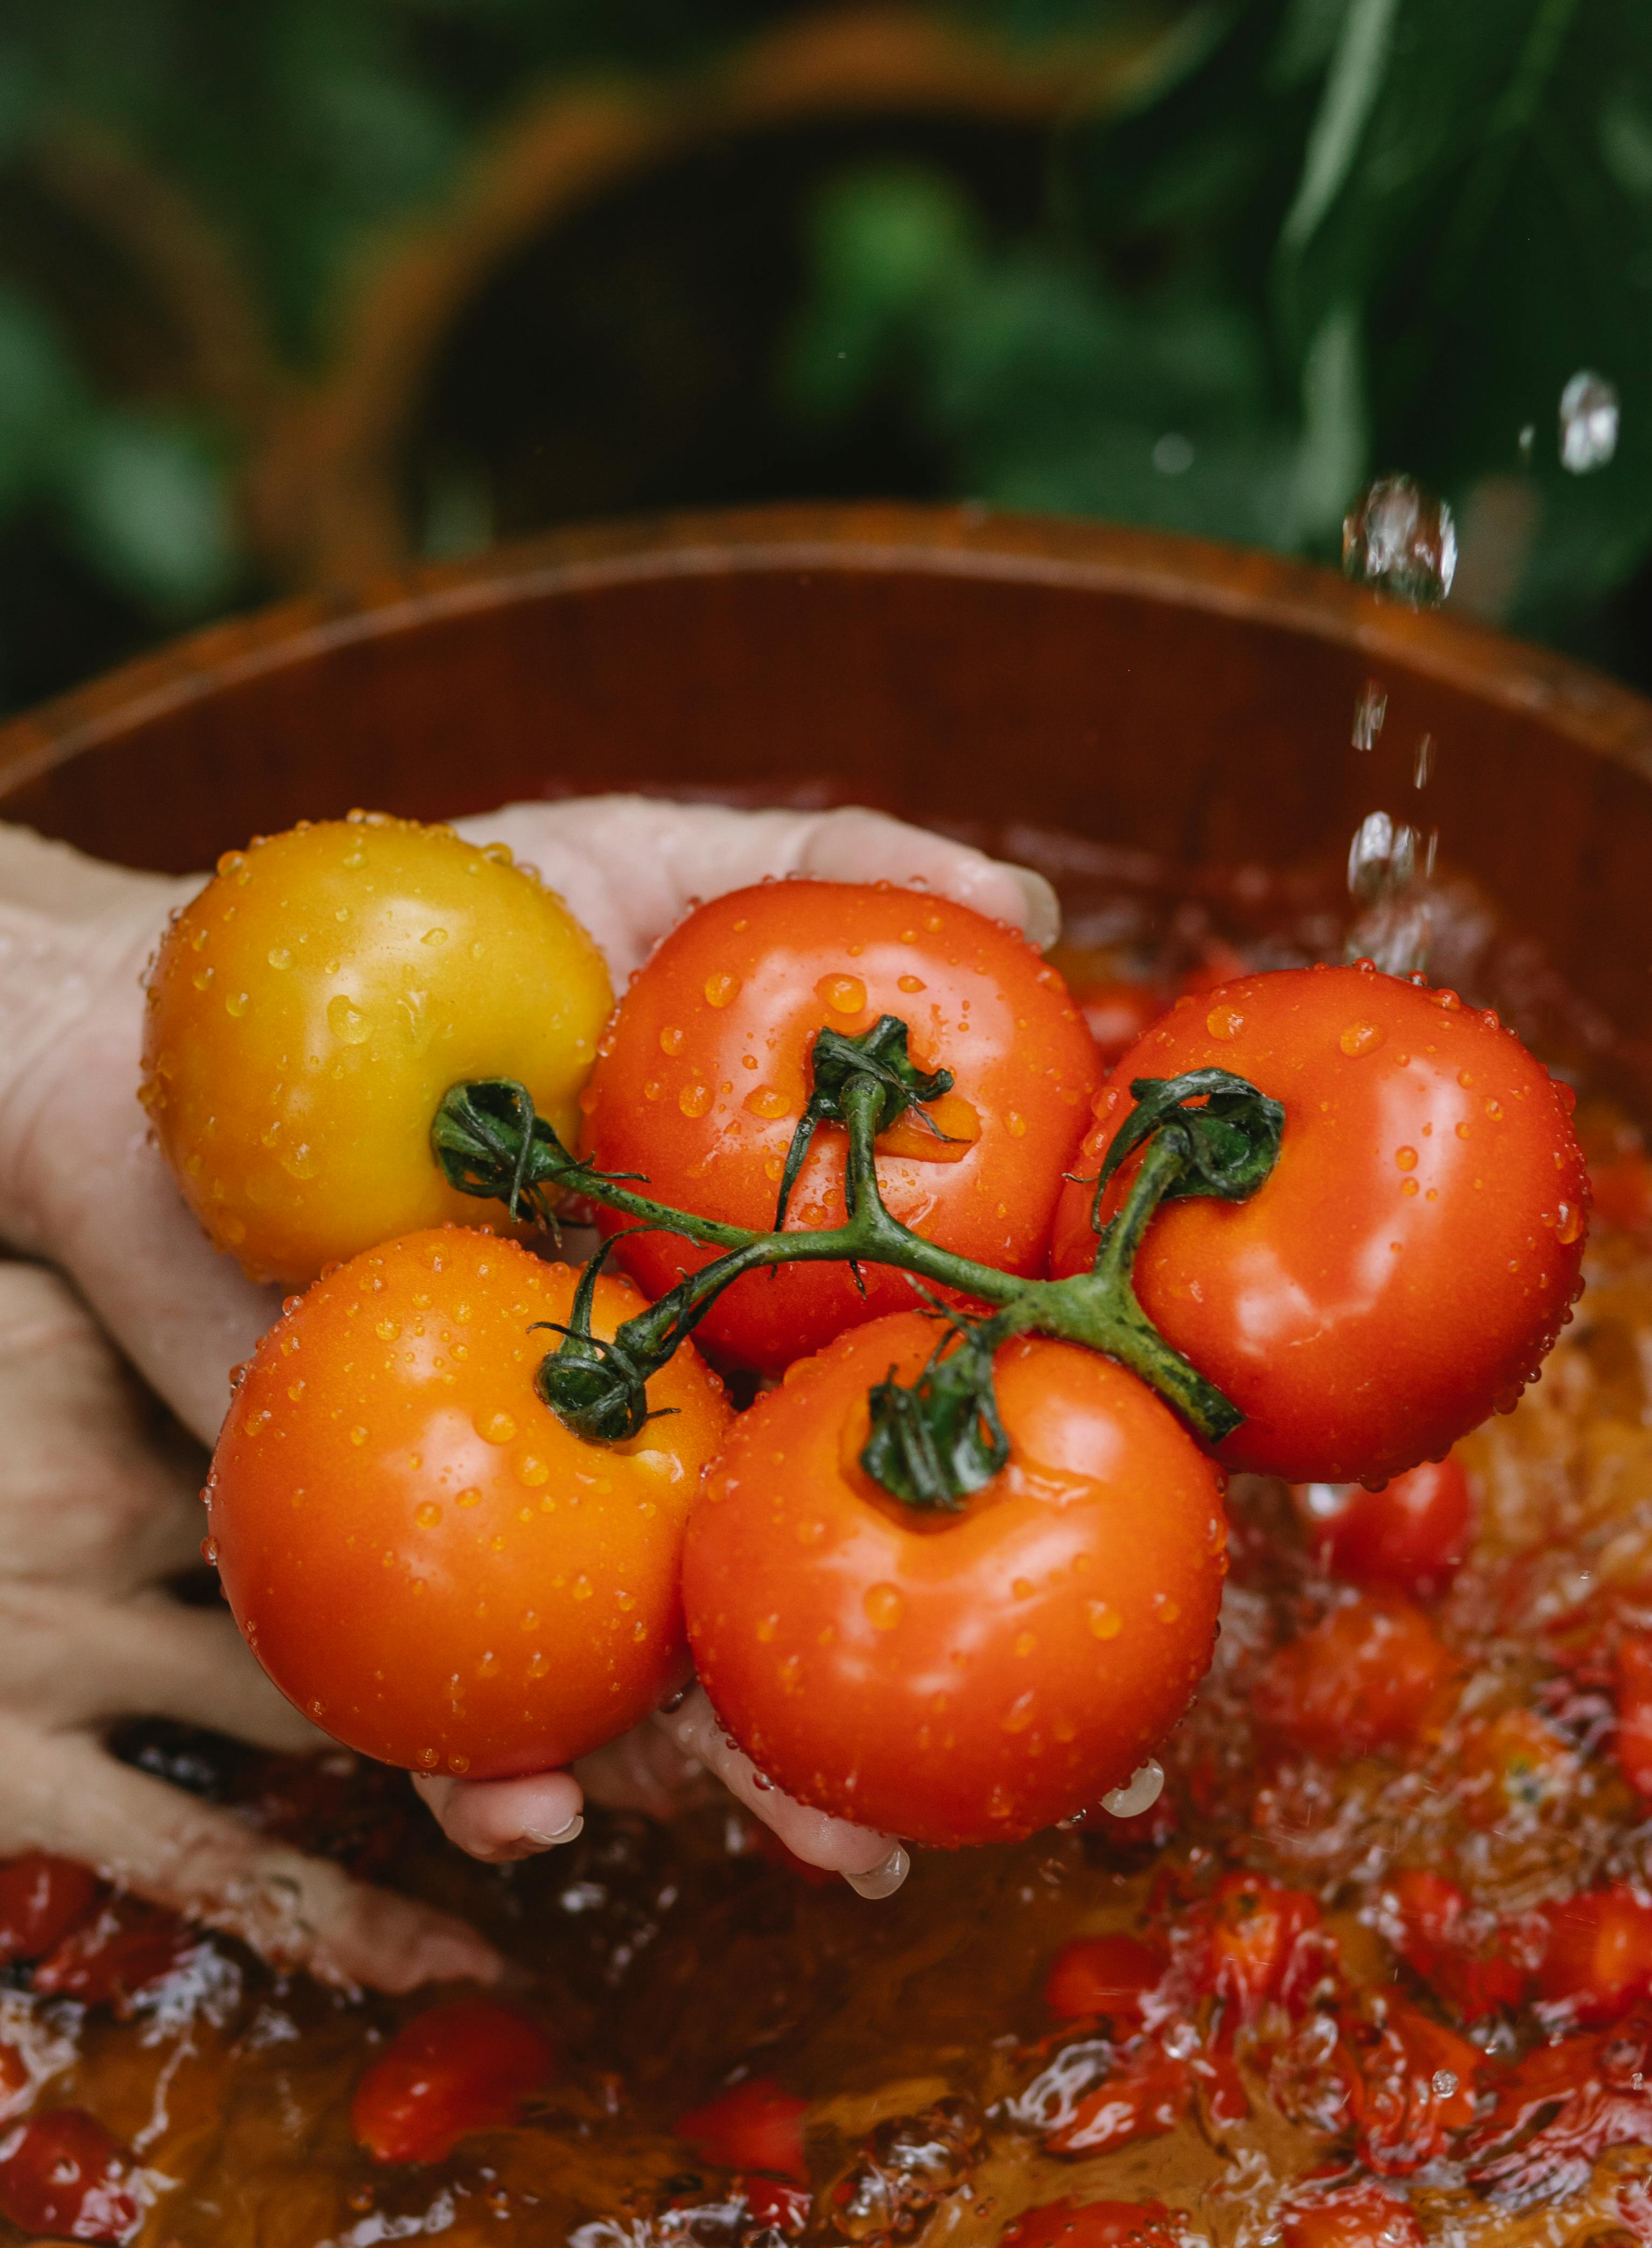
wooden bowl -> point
(1147, 691)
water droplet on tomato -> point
(493, 1429)
(1105, 1621)
(695, 1099)
(1360, 1039)
(318, 1709)
(1406, 1158)
(1026, 1641)
(910, 983)
(1139, 1792)
(1017, 1718)
(1224, 1022)
(767, 1628)
(722, 988)
(1570, 1228)
(426, 1514)
(1462, 1131)
(842, 995)
(457, 1763)
(1494, 1110)
(278, 956)
(210, 1552)
(201, 977)
(1018, 1125)
(671, 1040)
(433, 936)
(301, 1163)
(346, 1022)
(767, 1101)
(884, 1607)
(532, 1470)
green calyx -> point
(940, 1437)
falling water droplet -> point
(1402, 540)
(1139, 1792)
(1369, 714)
(1422, 765)
(1588, 422)
(1381, 858)
(1526, 442)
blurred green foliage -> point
(1312, 239)
(1318, 239)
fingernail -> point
(882, 1880)
(570, 1833)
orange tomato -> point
(417, 1551)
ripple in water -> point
(1400, 540)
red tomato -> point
(41, 1899)
(1413, 1255)
(1363, 1678)
(1410, 1535)
(866, 1655)
(1434, 1931)
(1256, 1932)
(16, 2083)
(1634, 1712)
(772, 2201)
(1419, 2089)
(1356, 2213)
(701, 1077)
(1102, 1975)
(464, 2066)
(68, 2176)
(420, 1555)
(1092, 2224)
(754, 2127)
(107, 1960)
(1147, 2096)
(1596, 1958)
(1621, 1191)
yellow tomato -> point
(308, 1010)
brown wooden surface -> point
(1142, 689)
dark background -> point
(291, 290)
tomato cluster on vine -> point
(954, 1571)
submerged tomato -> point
(308, 1010)
(702, 1076)
(465, 2066)
(956, 1677)
(1595, 1956)
(41, 1899)
(1353, 2213)
(1364, 1677)
(1635, 1711)
(755, 2127)
(68, 2176)
(1413, 1255)
(418, 1552)
(1410, 1534)
(1107, 1976)
(1093, 2224)
(107, 1959)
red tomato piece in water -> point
(756, 2126)
(70, 2178)
(1255, 1942)
(1092, 2224)
(465, 2066)
(1419, 2089)
(960, 1676)
(702, 1078)
(1411, 1536)
(1147, 2096)
(41, 1897)
(1102, 1976)
(1364, 1677)
(109, 1959)
(1635, 1711)
(1353, 2213)
(1459, 1954)
(1412, 1257)
(1596, 1957)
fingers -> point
(644, 1771)
(628, 867)
(64, 1793)
(501, 1820)
(874, 1864)
(70, 1659)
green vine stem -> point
(1205, 1133)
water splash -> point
(1386, 860)
(1402, 540)
(1588, 422)
(1369, 714)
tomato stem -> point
(1204, 1134)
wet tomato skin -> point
(70, 2178)
(464, 2066)
(702, 1076)
(1413, 1253)
(309, 1009)
(969, 1677)
(419, 1553)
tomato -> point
(1595, 1960)
(1419, 2089)
(1513, 1767)
(1148, 2095)
(1354, 2213)
(1410, 1534)
(1635, 1711)
(1584, 2094)
(1107, 1976)
(41, 1899)
(770, 2200)
(107, 1960)
(1621, 1189)
(1254, 1945)
(1364, 1677)
(1457, 1953)
(67, 2176)
(308, 1010)
(1415, 1250)
(418, 1552)
(754, 2127)
(464, 2066)
(1092, 2224)
(963, 1676)
(702, 1080)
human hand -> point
(82, 1187)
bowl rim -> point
(867, 539)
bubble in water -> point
(1139, 1792)
(1369, 714)
(1588, 422)
(1402, 540)
(1381, 858)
